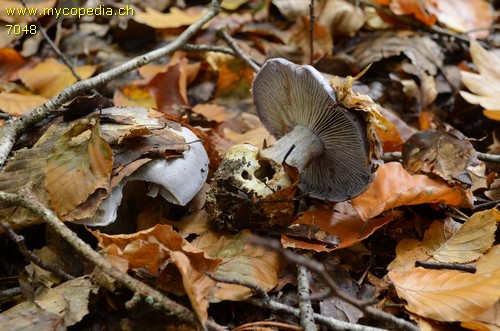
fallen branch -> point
(13, 129)
(157, 300)
(320, 270)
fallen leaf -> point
(175, 19)
(212, 112)
(80, 163)
(158, 250)
(447, 295)
(169, 89)
(17, 104)
(134, 95)
(48, 78)
(242, 261)
(422, 9)
(68, 301)
(394, 187)
(232, 4)
(19, 17)
(235, 77)
(446, 153)
(466, 243)
(485, 86)
(10, 62)
(471, 17)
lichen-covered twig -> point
(157, 300)
(305, 305)
(222, 33)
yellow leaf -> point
(175, 19)
(48, 78)
(17, 104)
(447, 295)
(468, 243)
(232, 4)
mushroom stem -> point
(301, 144)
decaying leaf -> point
(447, 295)
(240, 260)
(17, 104)
(446, 153)
(485, 86)
(68, 301)
(176, 18)
(48, 78)
(449, 242)
(394, 187)
(80, 163)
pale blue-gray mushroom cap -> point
(287, 96)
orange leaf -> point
(17, 104)
(447, 295)
(152, 249)
(422, 9)
(10, 62)
(175, 19)
(394, 187)
(48, 78)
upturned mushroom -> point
(326, 142)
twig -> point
(330, 322)
(15, 128)
(208, 48)
(311, 32)
(398, 156)
(30, 256)
(157, 300)
(222, 33)
(305, 306)
(449, 266)
(9, 293)
(320, 270)
(51, 43)
(486, 205)
(255, 288)
(260, 325)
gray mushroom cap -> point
(287, 96)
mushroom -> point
(177, 180)
(326, 142)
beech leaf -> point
(394, 187)
(80, 163)
(447, 295)
(468, 243)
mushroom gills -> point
(297, 148)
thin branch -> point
(320, 270)
(446, 266)
(222, 33)
(13, 129)
(398, 156)
(208, 48)
(255, 288)
(157, 300)
(51, 43)
(305, 306)
(30, 256)
(330, 322)
(311, 32)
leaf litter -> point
(87, 168)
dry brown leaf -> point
(342, 224)
(421, 9)
(10, 62)
(134, 96)
(18, 18)
(173, 80)
(17, 104)
(447, 295)
(80, 163)
(48, 78)
(465, 243)
(240, 260)
(212, 112)
(165, 254)
(394, 186)
(465, 16)
(485, 86)
(446, 153)
(175, 19)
